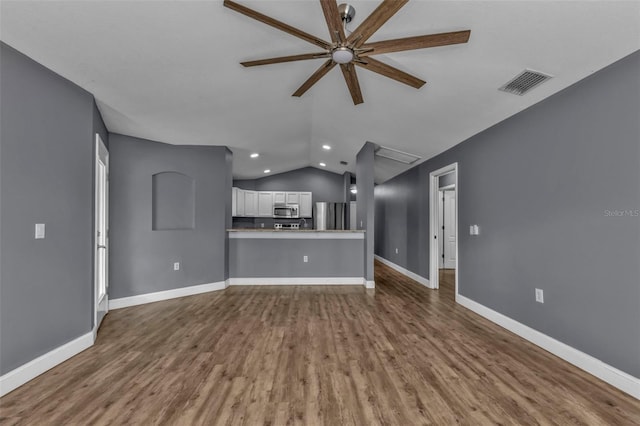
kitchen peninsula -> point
(286, 257)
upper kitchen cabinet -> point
(250, 203)
(279, 197)
(234, 202)
(265, 204)
(306, 206)
(293, 197)
(246, 203)
(237, 208)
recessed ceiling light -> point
(327, 147)
(255, 155)
(323, 165)
(267, 171)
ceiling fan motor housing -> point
(347, 12)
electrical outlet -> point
(176, 266)
(396, 250)
(39, 231)
(539, 295)
(305, 258)
(262, 225)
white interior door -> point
(440, 229)
(101, 257)
(449, 230)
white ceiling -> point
(169, 71)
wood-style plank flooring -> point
(399, 355)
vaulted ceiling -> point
(170, 72)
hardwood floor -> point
(447, 283)
(399, 355)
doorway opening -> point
(443, 220)
(101, 227)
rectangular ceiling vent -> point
(395, 155)
(525, 81)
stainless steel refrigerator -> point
(329, 216)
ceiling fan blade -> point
(391, 72)
(349, 72)
(418, 42)
(276, 24)
(281, 59)
(334, 22)
(320, 72)
(378, 17)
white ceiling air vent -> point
(525, 81)
(395, 155)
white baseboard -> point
(370, 284)
(298, 281)
(34, 368)
(617, 378)
(422, 280)
(141, 299)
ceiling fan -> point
(353, 49)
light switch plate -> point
(39, 231)
(539, 295)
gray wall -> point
(365, 207)
(570, 159)
(228, 221)
(283, 258)
(142, 259)
(46, 176)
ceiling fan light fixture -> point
(342, 55)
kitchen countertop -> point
(295, 234)
(295, 230)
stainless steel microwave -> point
(286, 211)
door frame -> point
(433, 225)
(100, 147)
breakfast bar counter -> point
(305, 256)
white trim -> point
(141, 299)
(617, 378)
(26, 372)
(419, 278)
(100, 150)
(298, 281)
(370, 284)
(434, 262)
(296, 235)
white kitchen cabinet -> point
(279, 197)
(265, 204)
(234, 201)
(239, 202)
(306, 206)
(293, 198)
(250, 203)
